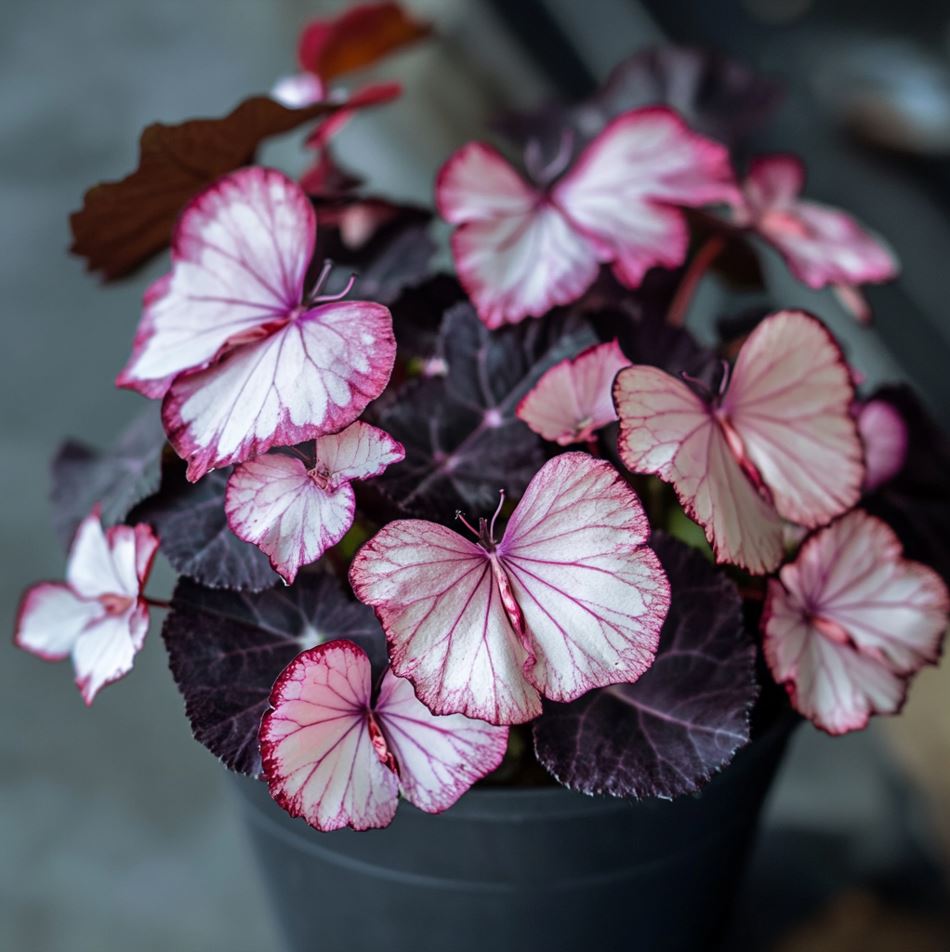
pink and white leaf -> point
(361, 451)
(448, 632)
(337, 759)
(624, 189)
(789, 403)
(850, 621)
(99, 616)
(439, 758)
(574, 398)
(822, 245)
(569, 599)
(780, 443)
(240, 254)
(592, 594)
(516, 255)
(521, 250)
(311, 377)
(275, 503)
(318, 755)
(294, 513)
(886, 438)
(242, 363)
(668, 431)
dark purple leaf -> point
(638, 320)
(418, 313)
(194, 534)
(226, 649)
(117, 479)
(715, 95)
(463, 441)
(684, 719)
(916, 502)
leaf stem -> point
(156, 602)
(708, 252)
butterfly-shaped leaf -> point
(681, 722)
(779, 443)
(226, 650)
(850, 621)
(521, 249)
(336, 757)
(569, 599)
(244, 362)
(99, 615)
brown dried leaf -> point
(122, 224)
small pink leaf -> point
(99, 615)
(885, 437)
(780, 443)
(850, 621)
(569, 599)
(337, 759)
(574, 398)
(521, 250)
(822, 245)
(915, 503)
(294, 512)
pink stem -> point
(156, 602)
(703, 258)
(501, 502)
(461, 518)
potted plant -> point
(511, 544)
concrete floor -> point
(117, 831)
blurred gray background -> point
(117, 831)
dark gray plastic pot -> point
(520, 869)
